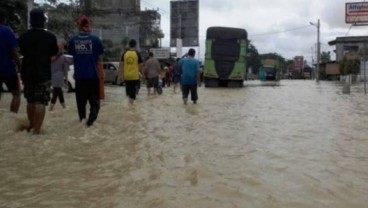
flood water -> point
(268, 145)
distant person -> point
(131, 61)
(87, 51)
(9, 61)
(176, 74)
(37, 45)
(190, 76)
(59, 77)
(152, 71)
(163, 74)
(168, 75)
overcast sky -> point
(267, 22)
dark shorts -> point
(131, 87)
(152, 82)
(190, 89)
(11, 82)
(38, 93)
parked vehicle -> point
(112, 70)
(225, 58)
(270, 69)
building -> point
(352, 48)
(350, 45)
(121, 20)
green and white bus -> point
(225, 57)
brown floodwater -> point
(280, 144)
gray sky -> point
(267, 22)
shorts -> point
(152, 82)
(38, 93)
(11, 82)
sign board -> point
(356, 12)
(184, 22)
(298, 63)
(161, 53)
(269, 62)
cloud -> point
(281, 26)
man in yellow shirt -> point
(131, 61)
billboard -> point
(184, 21)
(161, 53)
(356, 12)
(298, 63)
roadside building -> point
(121, 20)
(352, 48)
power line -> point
(155, 6)
(283, 31)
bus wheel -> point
(235, 84)
(208, 82)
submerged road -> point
(270, 144)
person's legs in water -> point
(185, 91)
(80, 94)
(15, 103)
(131, 87)
(13, 85)
(194, 93)
(38, 117)
(30, 115)
(61, 98)
(53, 98)
(94, 102)
(41, 97)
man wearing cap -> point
(131, 64)
(87, 51)
(37, 45)
(9, 58)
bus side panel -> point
(238, 71)
(209, 64)
(240, 66)
(208, 54)
(209, 69)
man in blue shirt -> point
(190, 76)
(87, 51)
(9, 59)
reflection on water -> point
(269, 144)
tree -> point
(16, 11)
(63, 16)
(253, 58)
(349, 66)
(62, 19)
(325, 57)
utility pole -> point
(364, 62)
(30, 4)
(318, 48)
(179, 39)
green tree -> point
(62, 19)
(349, 67)
(253, 58)
(63, 15)
(111, 52)
(325, 57)
(16, 11)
